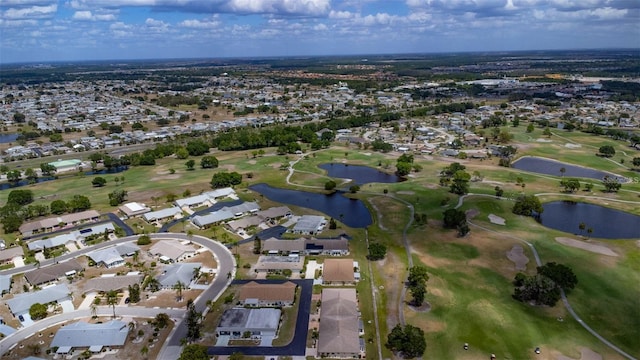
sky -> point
(69, 30)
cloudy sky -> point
(54, 30)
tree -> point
(257, 245)
(454, 218)
(13, 176)
(460, 182)
(606, 151)
(330, 185)
(117, 197)
(570, 185)
(588, 186)
(499, 191)
(530, 128)
(562, 171)
(79, 203)
(144, 351)
(561, 274)
(18, 117)
(178, 287)
(377, 251)
(611, 184)
(209, 162)
(417, 274)
(526, 205)
(98, 181)
(112, 300)
(418, 293)
(20, 197)
(333, 224)
(162, 320)
(354, 189)
(190, 164)
(134, 293)
(144, 240)
(547, 132)
(225, 179)
(194, 352)
(31, 175)
(408, 340)
(182, 153)
(193, 321)
(582, 226)
(38, 311)
(636, 162)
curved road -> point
(565, 301)
(171, 348)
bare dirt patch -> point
(406, 192)
(516, 254)
(471, 213)
(595, 248)
(165, 177)
(585, 354)
(393, 280)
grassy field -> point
(470, 278)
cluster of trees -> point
(570, 185)
(456, 178)
(545, 287)
(442, 108)
(377, 251)
(611, 184)
(456, 219)
(417, 284)
(407, 340)
(134, 293)
(606, 151)
(117, 197)
(19, 208)
(527, 205)
(225, 179)
(404, 164)
(193, 322)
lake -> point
(359, 174)
(552, 167)
(606, 223)
(354, 213)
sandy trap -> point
(585, 354)
(495, 219)
(595, 248)
(516, 254)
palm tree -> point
(153, 284)
(144, 351)
(112, 300)
(582, 226)
(589, 231)
(178, 287)
(562, 171)
(196, 273)
(132, 326)
(94, 309)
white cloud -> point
(197, 24)
(31, 12)
(341, 14)
(86, 15)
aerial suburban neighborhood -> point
(377, 208)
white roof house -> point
(182, 272)
(171, 212)
(21, 303)
(173, 250)
(51, 242)
(134, 209)
(113, 256)
(92, 336)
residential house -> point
(164, 214)
(58, 222)
(267, 294)
(339, 328)
(279, 264)
(5, 284)
(20, 304)
(133, 209)
(113, 256)
(172, 251)
(260, 323)
(94, 337)
(53, 272)
(7, 255)
(174, 273)
(108, 282)
(309, 225)
(338, 271)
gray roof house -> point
(226, 213)
(93, 336)
(182, 272)
(339, 326)
(108, 282)
(21, 303)
(171, 212)
(113, 256)
(52, 272)
(309, 225)
(262, 322)
(277, 264)
(8, 254)
(5, 284)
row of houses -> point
(58, 222)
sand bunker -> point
(495, 219)
(598, 249)
(165, 177)
(585, 354)
(544, 140)
(516, 254)
(572, 146)
(406, 192)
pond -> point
(606, 223)
(352, 212)
(552, 167)
(359, 174)
(7, 138)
